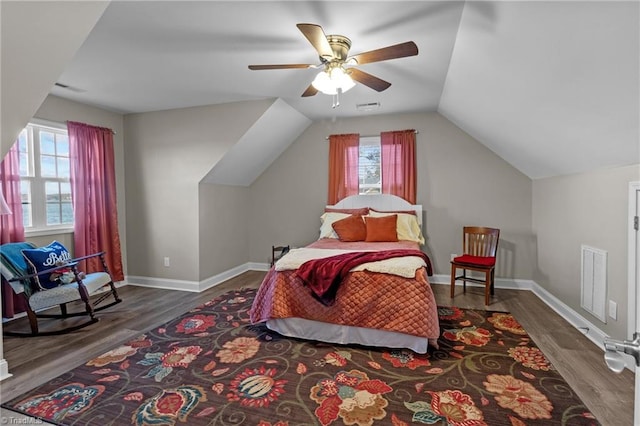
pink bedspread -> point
(364, 299)
(324, 276)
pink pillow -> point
(413, 212)
(362, 211)
(381, 228)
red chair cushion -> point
(475, 260)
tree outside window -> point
(369, 166)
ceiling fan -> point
(338, 68)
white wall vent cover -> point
(594, 281)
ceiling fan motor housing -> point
(340, 46)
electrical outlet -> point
(613, 309)
(167, 261)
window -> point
(369, 166)
(44, 177)
(372, 165)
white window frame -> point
(368, 141)
(37, 182)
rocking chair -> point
(34, 283)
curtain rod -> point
(370, 136)
(107, 128)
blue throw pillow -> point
(43, 258)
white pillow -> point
(407, 226)
(327, 219)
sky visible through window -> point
(45, 173)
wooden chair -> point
(479, 248)
(277, 252)
(23, 280)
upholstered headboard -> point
(383, 202)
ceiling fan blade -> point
(311, 91)
(317, 38)
(401, 50)
(279, 67)
(368, 80)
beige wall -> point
(459, 182)
(167, 155)
(224, 228)
(61, 110)
(591, 209)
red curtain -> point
(11, 225)
(343, 166)
(398, 158)
(93, 188)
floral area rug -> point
(211, 367)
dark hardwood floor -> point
(35, 360)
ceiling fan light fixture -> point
(333, 51)
(333, 80)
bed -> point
(341, 289)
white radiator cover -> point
(594, 282)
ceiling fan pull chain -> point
(336, 99)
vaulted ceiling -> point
(551, 87)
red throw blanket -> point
(323, 276)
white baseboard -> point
(506, 283)
(228, 274)
(259, 266)
(196, 286)
(163, 283)
(4, 370)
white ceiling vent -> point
(67, 87)
(371, 106)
